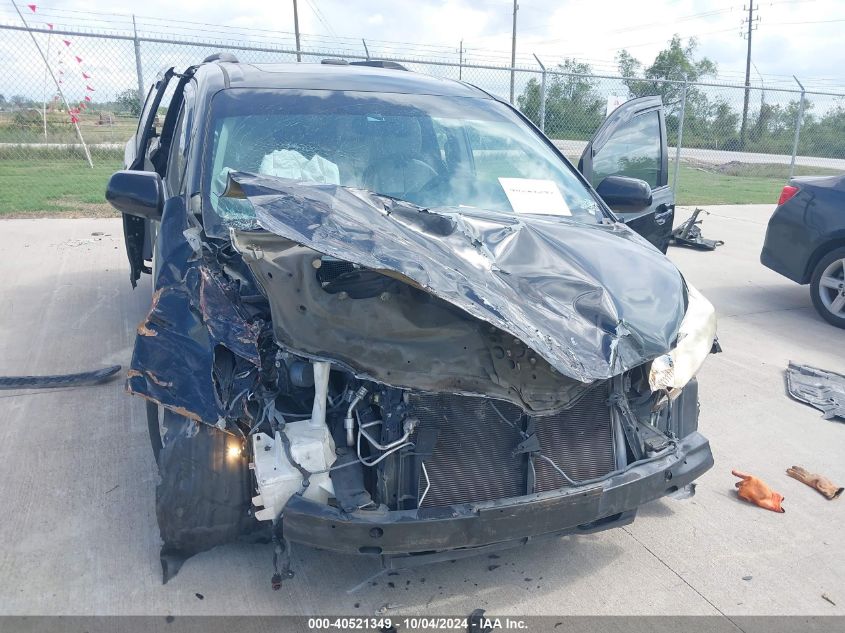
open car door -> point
(136, 231)
(632, 142)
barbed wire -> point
(112, 22)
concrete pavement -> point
(79, 534)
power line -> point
(688, 18)
(636, 27)
(808, 22)
(626, 46)
(323, 20)
(169, 27)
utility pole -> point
(44, 104)
(751, 24)
(797, 128)
(461, 61)
(542, 114)
(296, 30)
(513, 46)
(139, 70)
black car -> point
(805, 241)
(390, 318)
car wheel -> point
(827, 287)
(204, 495)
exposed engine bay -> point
(385, 392)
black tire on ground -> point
(204, 497)
(816, 289)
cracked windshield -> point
(430, 150)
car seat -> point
(396, 167)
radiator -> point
(579, 440)
(473, 461)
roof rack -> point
(222, 56)
(379, 63)
(334, 62)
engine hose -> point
(306, 475)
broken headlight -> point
(695, 340)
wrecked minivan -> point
(389, 318)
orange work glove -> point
(820, 483)
(757, 492)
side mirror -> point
(625, 194)
(138, 193)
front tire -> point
(827, 287)
(204, 497)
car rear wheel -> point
(827, 287)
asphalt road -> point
(720, 157)
(79, 535)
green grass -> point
(57, 183)
(699, 187)
(736, 183)
(55, 186)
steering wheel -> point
(424, 168)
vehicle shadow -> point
(659, 508)
(327, 583)
(732, 301)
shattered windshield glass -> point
(433, 151)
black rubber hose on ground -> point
(61, 380)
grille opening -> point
(473, 458)
(579, 440)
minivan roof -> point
(310, 76)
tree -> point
(671, 67)
(675, 63)
(19, 101)
(631, 68)
(574, 108)
(824, 135)
(129, 102)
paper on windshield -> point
(532, 195)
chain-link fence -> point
(728, 143)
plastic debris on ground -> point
(689, 234)
(824, 390)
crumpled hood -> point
(593, 300)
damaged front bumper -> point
(471, 527)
